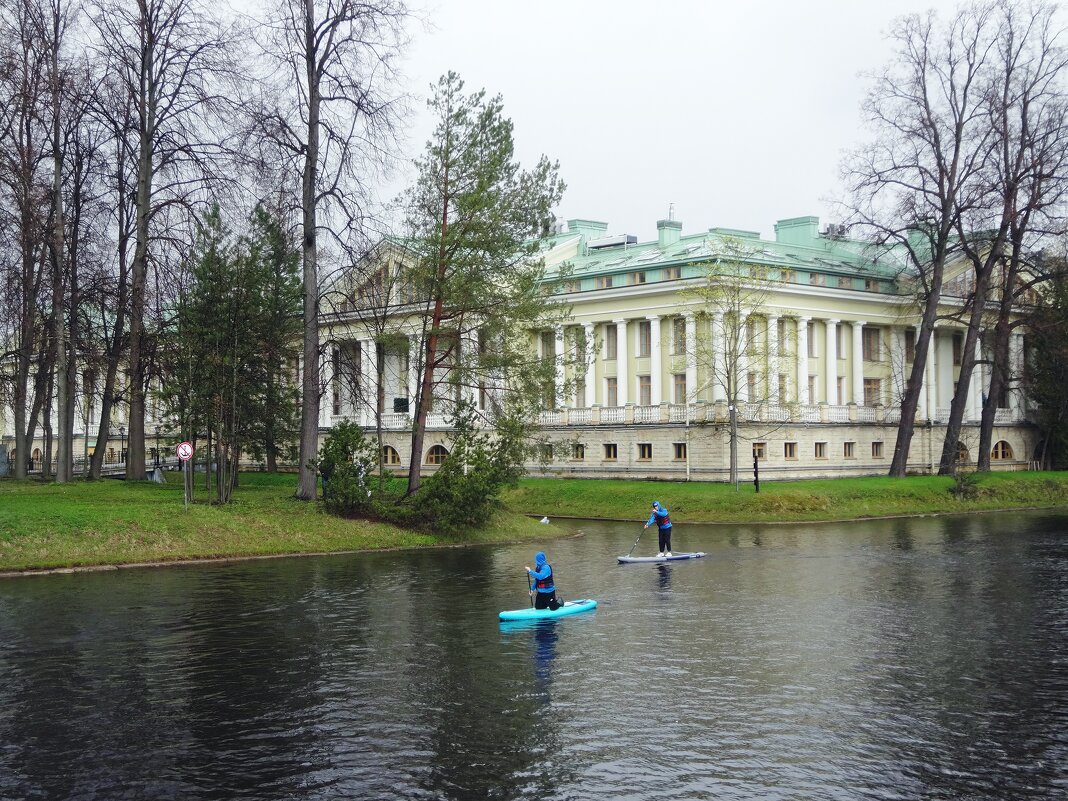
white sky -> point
(737, 112)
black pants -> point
(665, 539)
(546, 600)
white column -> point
(719, 391)
(802, 361)
(368, 381)
(930, 377)
(591, 367)
(831, 371)
(858, 362)
(622, 377)
(1016, 372)
(413, 372)
(745, 346)
(654, 360)
(975, 383)
(898, 368)
(326, 405)
(470, 359)
(691, 356)
(558, 358)
(773, 359)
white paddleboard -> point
(675, 557)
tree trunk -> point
(999, 382)
(309, 400)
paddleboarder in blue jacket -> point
(663, 523)
(544, 589)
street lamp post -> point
(122, 444)
(157, 446)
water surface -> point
(911, 659)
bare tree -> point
(1021, 187)
(739, 358)
(328, 108)
(171, 68)
(913, 183)
(23, 152)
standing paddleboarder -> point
(663, 524)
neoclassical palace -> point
(819, 380)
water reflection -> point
(893, 659)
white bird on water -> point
(545, 520)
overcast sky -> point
(738, 113)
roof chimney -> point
(668, 231)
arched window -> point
(962, 453)
(390, 455)
(436, 455)
(1002, 451)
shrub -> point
(346, 460)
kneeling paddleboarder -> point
(544, 589)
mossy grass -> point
(784, 502)
(111, 522)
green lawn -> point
(112, 522)
(834, 499)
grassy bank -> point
(837, 499)
(111, 522)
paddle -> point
(530, 591)
(635, 545)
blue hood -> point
(539, 558)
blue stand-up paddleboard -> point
(569, 608)
(675, 557)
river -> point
(921, 658)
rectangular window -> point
(910, 345)
(872, 284)
(610, 451)
(548, 344)
(780, 334)
(679, 385)
(841, 390)
(645, 390)
(787, 276)
(877, 450)
(789, 450)
(821, 450)
(812, 340)
(680, 451)
(760, 450)
(547, 452)
(847, 450)
(958, 349)
(817, 279)
(678, 329)
(839, 346)
(604, 282)
(645, 451)
(812, 389)
(636, 278)
(643, 339)
(612, 394)
(872, 345)
(578, 452)
(671, 273)
(611, 335)
(873, 391)
(751, 386)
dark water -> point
(918, 659)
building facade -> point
(811, 363)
